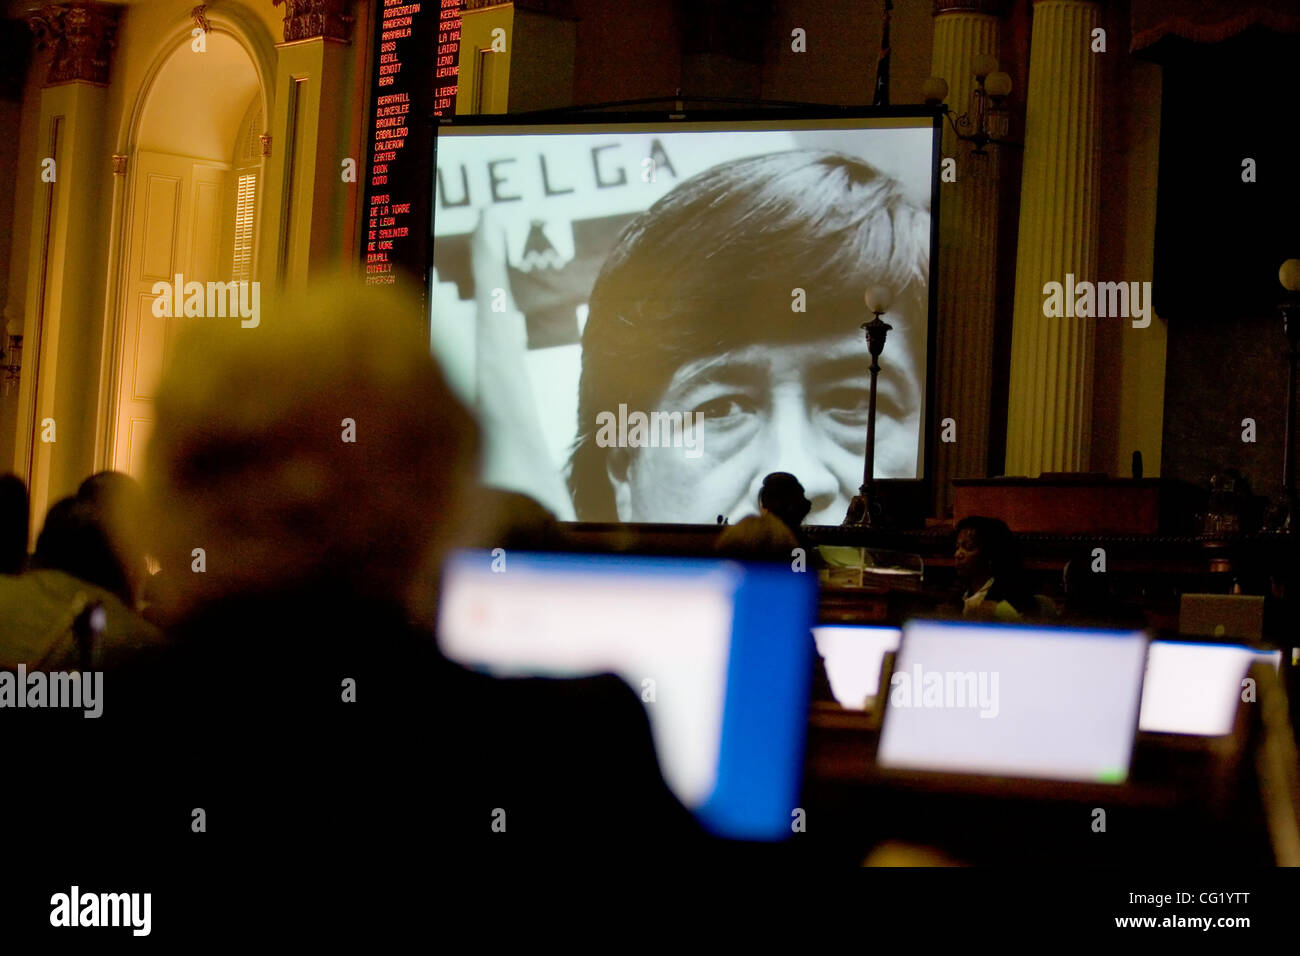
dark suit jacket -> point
(243, 716)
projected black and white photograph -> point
(647, 321)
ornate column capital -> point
(312, 19)
(80, 37)
(992, 8)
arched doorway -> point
(193, 202)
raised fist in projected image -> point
(648, 351)
(694, 312)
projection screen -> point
(648, 317)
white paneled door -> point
(177, 218)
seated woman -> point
(989, 569)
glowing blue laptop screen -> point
(719, 652)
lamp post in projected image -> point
(864, 509)
(1289, 276)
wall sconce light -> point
(987, 118)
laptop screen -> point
(1195, 688)
(1046, 703)
(1239, 616)
(854, 655)
(717, 651)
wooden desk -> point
(1147, 572)
(1081, 504)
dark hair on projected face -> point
(714, 265)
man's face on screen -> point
(800, 408)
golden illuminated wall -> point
(315, 128)
(13, 309)
(1136, 371)
(62, 291)
(484, 80)
(71, 235)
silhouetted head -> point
(319, 452)
(784, 497)
(119, 501)
(75, 541)
(986, 548)
(112, 490)
(14, 526)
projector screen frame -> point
(907, 500)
